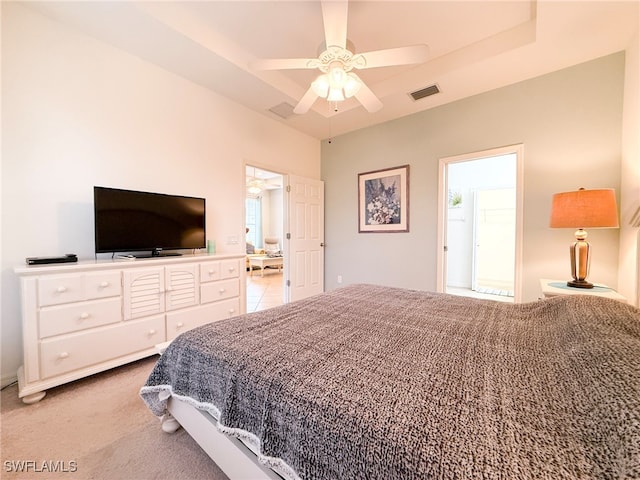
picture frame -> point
(383, 200)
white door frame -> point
(443, 189)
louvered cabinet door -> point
(182, 286)
(144, 292)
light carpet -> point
(96, 428)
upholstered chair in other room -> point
(272, 246)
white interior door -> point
(305, 246)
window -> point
(253, 221)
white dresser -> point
(82, 318)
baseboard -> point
(6, 380)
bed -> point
(372, 382)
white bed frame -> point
(233, 457)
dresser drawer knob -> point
(231, 269)
(222, 290)
(104, 284)
(152, 332)
(180, 325)
(211, 272)
(232, 311)
(84, 315)
(63, 355)
(61, 289)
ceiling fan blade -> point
(366, 97)
(284, 63)
(305, 102)
(334, 16)
(391, 56)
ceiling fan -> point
(338, 81)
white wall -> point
(272, 206)
(629, 281)
(77, 113)
(570, 123)
(275, 213)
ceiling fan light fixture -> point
(321, 86)
(335, 95)
(336, 85)
(254, 184)
(337, 75)
(338, 59)
(351, 86)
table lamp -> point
(583, 209)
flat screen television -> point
(132, 221)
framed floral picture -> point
(383, 200)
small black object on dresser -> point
(69, 257)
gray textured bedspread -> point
(370, 382)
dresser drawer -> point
(221, 310)
(74, 351)
(215, 291)
(60, 319)
(180, 322)
(209, 271)
(59, 289)
(229, 269)
(102, 285)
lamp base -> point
(579, 284)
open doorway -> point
(480, 224)
(265, 226)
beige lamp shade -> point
(585, 209)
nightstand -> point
(553, 288)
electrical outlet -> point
(339, 278)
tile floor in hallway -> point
(264, 291)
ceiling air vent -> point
(425, 92)
(283, 110)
